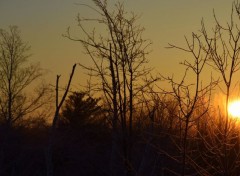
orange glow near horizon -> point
(234, 108)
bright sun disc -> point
(234, 108)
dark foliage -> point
(80, 110)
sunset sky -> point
(42, 23)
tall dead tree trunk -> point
(49, 152)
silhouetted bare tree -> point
(16, 76)
(119, 59)
(190, 96)
(216, 147)
(222, 46)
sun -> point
(234, 108)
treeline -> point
(134, 127)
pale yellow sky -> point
(43, 22)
